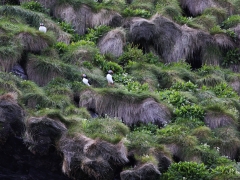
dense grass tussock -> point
(42, 69)
(87, 17)
(196, 7)
(218, 120)
(113, 42)
(130, 111)
(148, 171)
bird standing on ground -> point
(109, 77)
(42, 28)
(85, 80)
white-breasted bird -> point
(109, 77)
(42, 28)
(85, 80)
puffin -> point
(42, 28)
(85, 80)
(109, 77)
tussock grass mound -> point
(107, 129)
(131, 109)
(78, 54)
(33, 44)
(146, 171)
(217, 120)
(224, 41)
(42, 133)
(179, 41)
(196, 7)
(88, 158)
(142, 32)
(82, 17)
(113, 42)
(227, 140)
(42, 69)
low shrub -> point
(225, 172)
(61, 47)
(34, 6)
(174, 97)
(190, 111)
(223, 90)
(129, 12)
(232, 58)
(95, 33)
(186, 170)
(231, 21)
(184, 86)
(137, 87)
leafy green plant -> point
(135, 86)
(34, 6)
(87, 65)
(225, 172)
(231, 21)
(94, 34)
(61, 47)
(99, 60)
(131, 53)
(183, 19)
(148, 128)
(190, 111)
(232, 58)
(141, 141)
(174, 97)
(113, 66)
(123, 78)
(151, 58)
(172, 130)
(186, 170)
(66, 27)
(129, 12)
(206, 69)
(223, 90)
(184, 86)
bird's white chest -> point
(109, 78)
(85, 81)
(43, 29)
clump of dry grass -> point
(145, 171)
(218, 119)
(127, 108)
(113, 42)
(42, 69)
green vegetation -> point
(202, 102)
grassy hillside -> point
(175, 102)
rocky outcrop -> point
(42, 133)
(85, 158)
(11, 118)
(17, 162)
